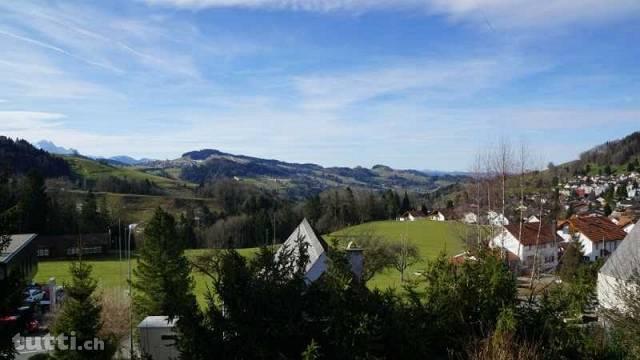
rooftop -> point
(597, 228)
(530, 233)
(626, 259)
(17, 243)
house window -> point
(92, 250)
(85, 251)
(43, 252)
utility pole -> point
(120, 250)
(131, 228)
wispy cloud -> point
(20, 121)
(57, 49)
(428, 80)
(501, 13)
(39, 78)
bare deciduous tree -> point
(406, 255)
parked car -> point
(33, 295)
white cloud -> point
(20, 121)
(500, 13)
(37, 77)
(441, 80)
(58, 50)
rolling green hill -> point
(93, 170)
(174, 195)
(298, 180)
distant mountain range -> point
(297, 179)
(207, 165)
(52, 148)
(128, 160)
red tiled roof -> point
(530, 233)
(624, 221)
(597, 228)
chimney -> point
(356, 259)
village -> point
(320, 180)
(532, 248)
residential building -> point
(470, 218)
(19, 256)
(533, 219)
(317, 252)
(497, 219)
(412, 215)
(528, 242)
(436, 216)
(62, 246)
(615, 275)
(598, 235)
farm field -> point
(430, 237)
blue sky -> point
(407, 83)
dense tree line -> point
(26, 207)
(20, 157)
(338, 208)
(125, 186)
(617, 152)
(250, 216)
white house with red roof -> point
(598, 235)
(528, 242)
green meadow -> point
(430, 237)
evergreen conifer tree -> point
(79, 317)
(33, 204)
(406, 204)
(162, 282)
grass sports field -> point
(430, 237)
(111, 273)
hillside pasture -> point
(430, 237)
(93, 170)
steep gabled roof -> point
(414, 213)
(626, 259)
(316, 246)
(530, 233)
(597, 228)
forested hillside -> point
(617, 152)
(19, 157)
(300, 180)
